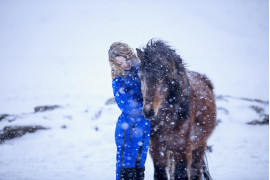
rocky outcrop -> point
(11, 132)
(45, 108)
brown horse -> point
(181, 107)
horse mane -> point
(162, 58)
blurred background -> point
(54, 52)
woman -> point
(132, 131)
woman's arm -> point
(126, 101)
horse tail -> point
(206, 174)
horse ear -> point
(139, 53)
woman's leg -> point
(125, 167)
(119, 137)
(132, 141)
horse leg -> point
(196, 166)
(159, 172)
(182, 166)
(159, 163)
(181, 171)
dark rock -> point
(221, 98)
(11, 132)
(218, 121)
(255, 100)
(3, 116)
(263, 118)
(223, 109)
(257, 109)
(45, 108)
(264, 121)
(225, 98)
(209, 149)
(64, 127)
(97, 115)
(110, 101)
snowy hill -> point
(55, 53)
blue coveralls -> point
(132, 131)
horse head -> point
(159, 74)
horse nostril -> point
(152, 113)
(148, 114)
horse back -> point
(203, 106)
(196, 77)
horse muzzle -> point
(148, 114)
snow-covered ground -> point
(85, 148)
(55, 52)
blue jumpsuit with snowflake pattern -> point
(132, 131)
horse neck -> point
(179, 97)
(179, 84)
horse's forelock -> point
(160, 60)
(159, 51)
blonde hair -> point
(120, 49)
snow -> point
(56, 53)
